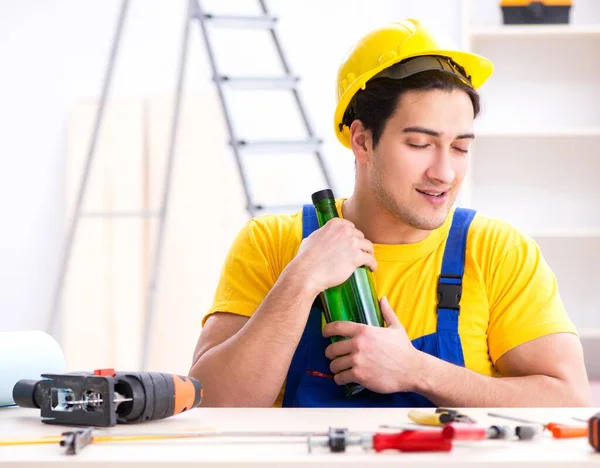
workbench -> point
(289, 452)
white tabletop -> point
(288, 452)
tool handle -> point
(464, 431)
(529, 431)
(156, 395)
(412, 441)
(427, 419)
(26, 393)
(594, 432)
(564, 432)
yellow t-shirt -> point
(509, 297)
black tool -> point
(451, 415)
(74, 441)
(594, 431)
(441, 417)
(105, 397)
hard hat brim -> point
(476, 66)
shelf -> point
(535, 161)
(568, 233)
(535, 30)
(572, 132)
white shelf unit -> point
(536, 156)
(550, 30)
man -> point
(473, 313)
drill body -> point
(104, 397)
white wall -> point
(54, 53)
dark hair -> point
(375, 104)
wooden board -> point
(102, 306)
(206, 210)
(105, 296)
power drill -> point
(104, 397)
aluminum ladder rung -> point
(276, 208)
(242, 21)
(268, 146)
(121, 214)
(259, 82)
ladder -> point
(287, 81)
(194, 12)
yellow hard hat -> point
(391, 44)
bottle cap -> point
(322, 195)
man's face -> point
(421, 159)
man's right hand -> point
(330, 254)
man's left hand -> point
(380, 359)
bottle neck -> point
(326, 210)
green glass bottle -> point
(355, 300)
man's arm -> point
(244, 362)
(547, 371)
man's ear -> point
(361, 141)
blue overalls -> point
(309, 382)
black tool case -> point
(535, 12)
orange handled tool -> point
(412, 441)
(564, 432)
(558, 430)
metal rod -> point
(511, 418)
(100, 436)
(68, 247)
(264, 147)
(94, 401)
(303, 113)
(411, 427)
(120, 214)
(261, 207)
(152, 288)
(258, 82)
(228, 121)
(262, 22)
(580, 419)
(215, 433)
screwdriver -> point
(337, 439)
(558, 430)
(406, 441)
(464, 431)
(75, 441)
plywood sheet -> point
(205, 212)
(101, 313)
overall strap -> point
(309, 220)
(300, 359)
(310, 224)
(453, 267)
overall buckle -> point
(449, 293)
